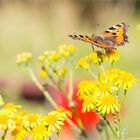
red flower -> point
(89, 119)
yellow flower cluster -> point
(98, 57)
(55, 62)
(119, 78)
(93, 58)
(83, 63)
(23, 58)
(21, 123)
(102, 94)
(112, 55)
(66, 50)
(87, 88)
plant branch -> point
(116, 125)
(46, 94)
(70, 94)
(4, 134)
(93, 74)
(111, 128)
(42, 89)
(125, 91)
(102, 68)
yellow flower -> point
(41, 58)
(82, 62)
(63, 71)
(18, 133)
(111, 74)
(43, 73)
(89, 103)
(112, 55)
(46, 53)
(106, 104)
(87, 88)
(125, 79)
(10, 108)
(5, 121)
(106, 88)
(31, 120)
(23, 58)
(39, 132)
(54, 120)
(66, 50)
(18, 120)
(64, 112)
(96, 57)
(53, 56)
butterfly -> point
(111, 38)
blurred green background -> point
(39, 25)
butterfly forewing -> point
(82, 38)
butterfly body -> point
(113, 37)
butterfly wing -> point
(101, 42)
(116, 35)
(82, 38)
(96, 40)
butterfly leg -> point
(92, 47)
(91, 43)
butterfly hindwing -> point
(99, 41)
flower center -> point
(105, 87)
(3, 119)
(15, 131)
(126, 77)
(51, 119)
(109, 100)
(32, 117)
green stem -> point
(77, 129)
(125, 91)
(70, 101)
(42, 89)
(70, 94)
(94, 75)
(80, 124)
(72, 105)
(111, 128)
(102, 68)
(119, 124)
(4, 135)
(112, 63)
(116, 125)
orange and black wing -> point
(116, 34)
(95, 40)
(82, 38)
